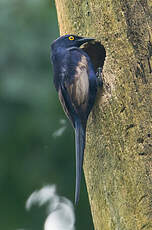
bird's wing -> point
(74, 87)
(66, 103)
(74, 93)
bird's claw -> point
(99, 77)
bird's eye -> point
(71, 38)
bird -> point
(76, 83)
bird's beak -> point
(84, 40)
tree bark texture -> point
(118, 155)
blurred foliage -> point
(30, 155)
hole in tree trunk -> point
(97, 53)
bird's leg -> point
(99, 77)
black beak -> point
(84, 40)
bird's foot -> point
(99, 77)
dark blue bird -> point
(76, 83)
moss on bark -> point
(118, 156)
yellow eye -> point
(71, 38)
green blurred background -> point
(32, 153)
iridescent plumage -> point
(76, 83)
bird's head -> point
(68, 41)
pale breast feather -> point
(79, 89)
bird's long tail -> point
(79, 146)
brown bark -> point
(118, 156)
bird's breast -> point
(79, 89)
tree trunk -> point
(118, 156)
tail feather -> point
(79, 145)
